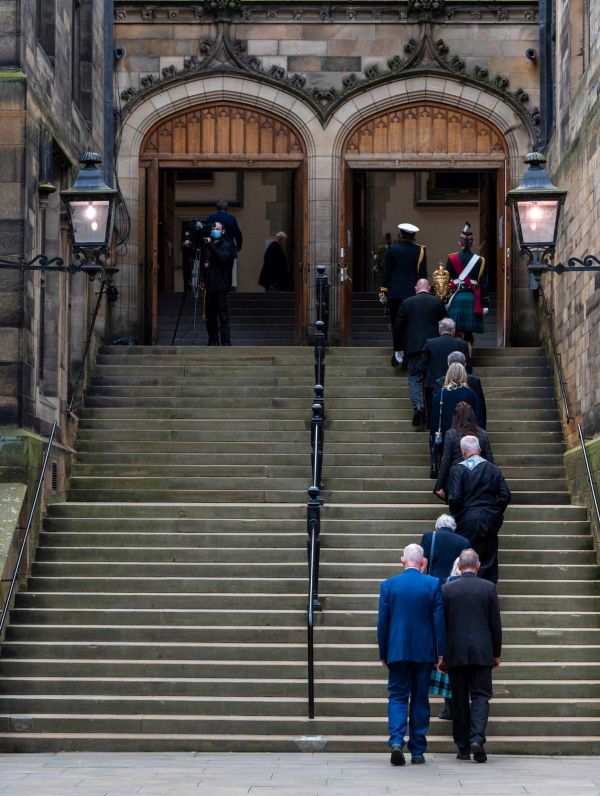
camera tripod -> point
(198, 292)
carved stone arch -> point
(223, 130)
(427, 130)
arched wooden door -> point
(220, 136)
(427, 136)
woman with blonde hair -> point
(443, 404)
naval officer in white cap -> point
(403, 264)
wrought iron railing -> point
(313, 509)
(565, 399)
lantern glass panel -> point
(90, 222)
(538, 221)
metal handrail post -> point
(38, 491)
(316, 443)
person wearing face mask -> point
(218, 257)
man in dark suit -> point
(478, 496)
(434, 357)
(474, 382)
(417, 320)
(403, 264)
(473, 648)
(410, 632)
(232, 233)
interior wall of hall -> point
(265, 209)
(391, 200)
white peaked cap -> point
(408, 228)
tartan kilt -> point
(462, 312)
(439, 684)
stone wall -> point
(324, 68)
(579, 483)
(574, 159)
(43, 131)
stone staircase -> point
(370, 326)
(256, 319)
(166, 607)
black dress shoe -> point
(479, 755)
(394, 363)
(419, 760)
(445, 715)
(433, 473)
(397, 758)
(463, 756)
(418, 419)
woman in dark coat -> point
(464, 423)
(444, 403)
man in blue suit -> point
(410, 631)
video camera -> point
(197, 230)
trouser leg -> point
(393, 307)
(223, 310)
(419, 708)
(415, 382)
(399, 686)
(461, 712)
(480, 688)
(212, 324)
(481, 529)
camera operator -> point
(216, 257)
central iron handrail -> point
(565, 398)
(313, 509)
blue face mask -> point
(215, 233)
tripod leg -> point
(179, 317)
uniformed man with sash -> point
(404, 263)
(468, 285)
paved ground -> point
(89, 774)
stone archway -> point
(431, 135)
(246, 119)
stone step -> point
(269, 653)
(588, 632)
(265, 550)
(275, 543)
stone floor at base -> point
(123, 774)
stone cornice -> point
(507, 12)
(424, 57)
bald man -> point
(417, 321)
(411, 637)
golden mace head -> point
(441, 281)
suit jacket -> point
(450, 399)
(452, 455)
(232, 231)
(448, 545)
(482, 487)
(434, 359)
(474, 383)
(473, 624)
(417, 320)
(410, 626)
(402, 269)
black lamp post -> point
(90, 207)
(537, 204)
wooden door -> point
(503, 243)
(166, 231)
(151, 254)
(346, 250)
(299, 254)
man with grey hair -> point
(410, 633)
(478, 496)
(473, 382)
(433, 363)
(473, 648)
